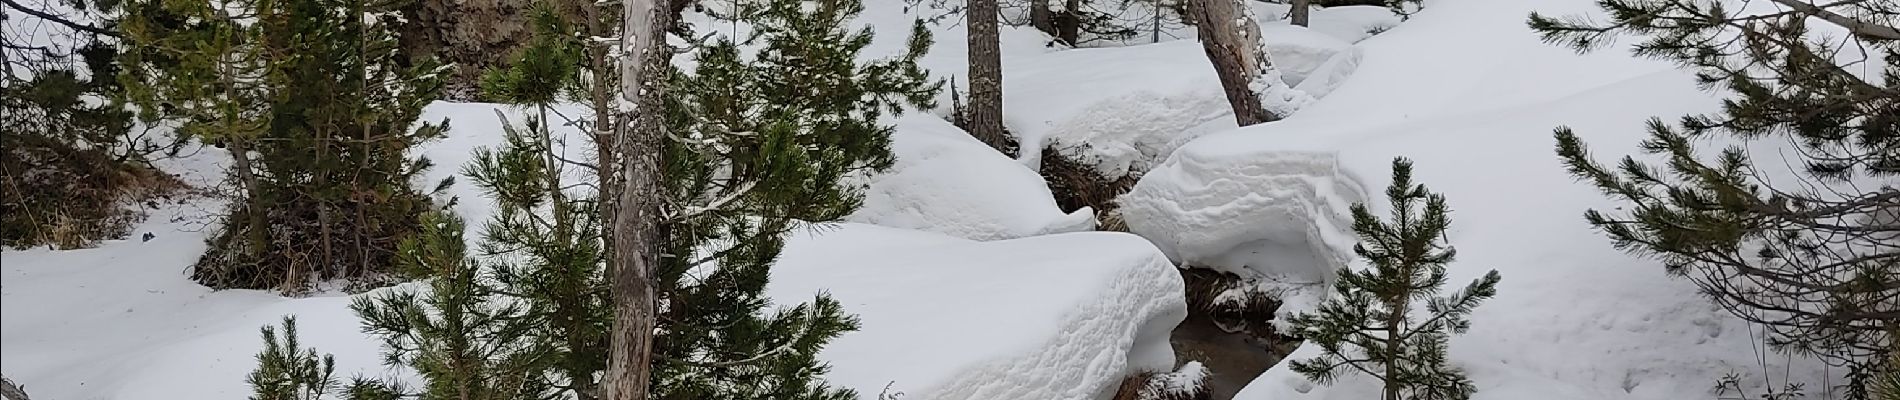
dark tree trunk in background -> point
(986, 77)
(1041, 18)
(1301, 10)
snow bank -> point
(1281, 215)
(1575, 318)
(946, 181)
(1043, 318)
(1351, 23)
(1123, 109)
(1116, 108)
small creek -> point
(1233, 359)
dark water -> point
(1232, 359)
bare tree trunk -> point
(1231, 40)
(1301, 9)
(1041, 18)
(986, 77)
(637, 209)
(10, 390)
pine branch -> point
(1863, 28)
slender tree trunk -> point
(1231, 40)
(1301, 10)
(986, 77)
(1041, 17)
(637, 211)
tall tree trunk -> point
(1231, 40)
(637, 212)
(1041, 17)
(1301, 9)
(986, 77)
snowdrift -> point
(946, 181)
(1045, 318)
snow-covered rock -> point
(946, 181)
(1060, 317)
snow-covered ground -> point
(972, 285)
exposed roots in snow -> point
(1076, 185)
(1186, 383)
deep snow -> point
(1462, 88)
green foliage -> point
(1800, 243)
(465, 342)
(286, 372)
(318, 108)
(71, 161)
(762, 144)
(545, 309)
(1368, 325)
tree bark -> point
(1041, 17)
(1069, 22)
(986, 77)
(637, 209)
(1231, 40)
(1301, 10)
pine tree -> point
(466, 342)
(1802, 243)
(1368, 325)
(762, 144)
(286, 372)
(316, 104)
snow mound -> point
(1280, 214)
(1298, 52)
(946, 181)
(1044, 318)
(1122, 109)
(1351, 23)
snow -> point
(972, 285)
(946, 181)
(1123, 109)
(1050, 317)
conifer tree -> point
(761, 144)
(1801, 240)
(1369, 325)
(287, 372)
(316, 104)
(465, 341)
